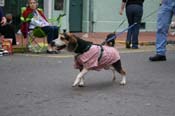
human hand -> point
(3, 21)
(121, 12)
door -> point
(75, 16)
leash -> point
(120, 33)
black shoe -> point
(128, 45)
(157, 58)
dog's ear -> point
(72, 43)
(68, 36)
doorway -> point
(75, 15)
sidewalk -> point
(145, 38)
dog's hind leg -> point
(80, 76)
(113, 73)
(118, 67)
(81, 83)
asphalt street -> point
(41, 85)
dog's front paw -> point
(76, 82)
(74, 85)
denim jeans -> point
(51, 32)
(164, 18)
(134, 14)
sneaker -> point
(157, 58)
(5, 53)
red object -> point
(7, 45)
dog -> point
(91, 56)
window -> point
(2, 2)
(59, 4)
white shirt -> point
(37, 20)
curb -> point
(142, 43)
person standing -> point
(134, 12)
(164, 17)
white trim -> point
(48, 8)
(2, 2)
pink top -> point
(90, 61)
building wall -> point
(103, 16)
(51, 13)
(87, 11)
(98, 15)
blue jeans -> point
(51, 32)
(164, 17)
(134, 14)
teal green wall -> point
(55, 13)
(105, 16)
(85, 22)
(98, 15)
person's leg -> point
(55, 34)
(55, 28)
(9, 32)
(129, 14)
(52, 33)
(164, 19)
(163, 22)
(137, 19)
